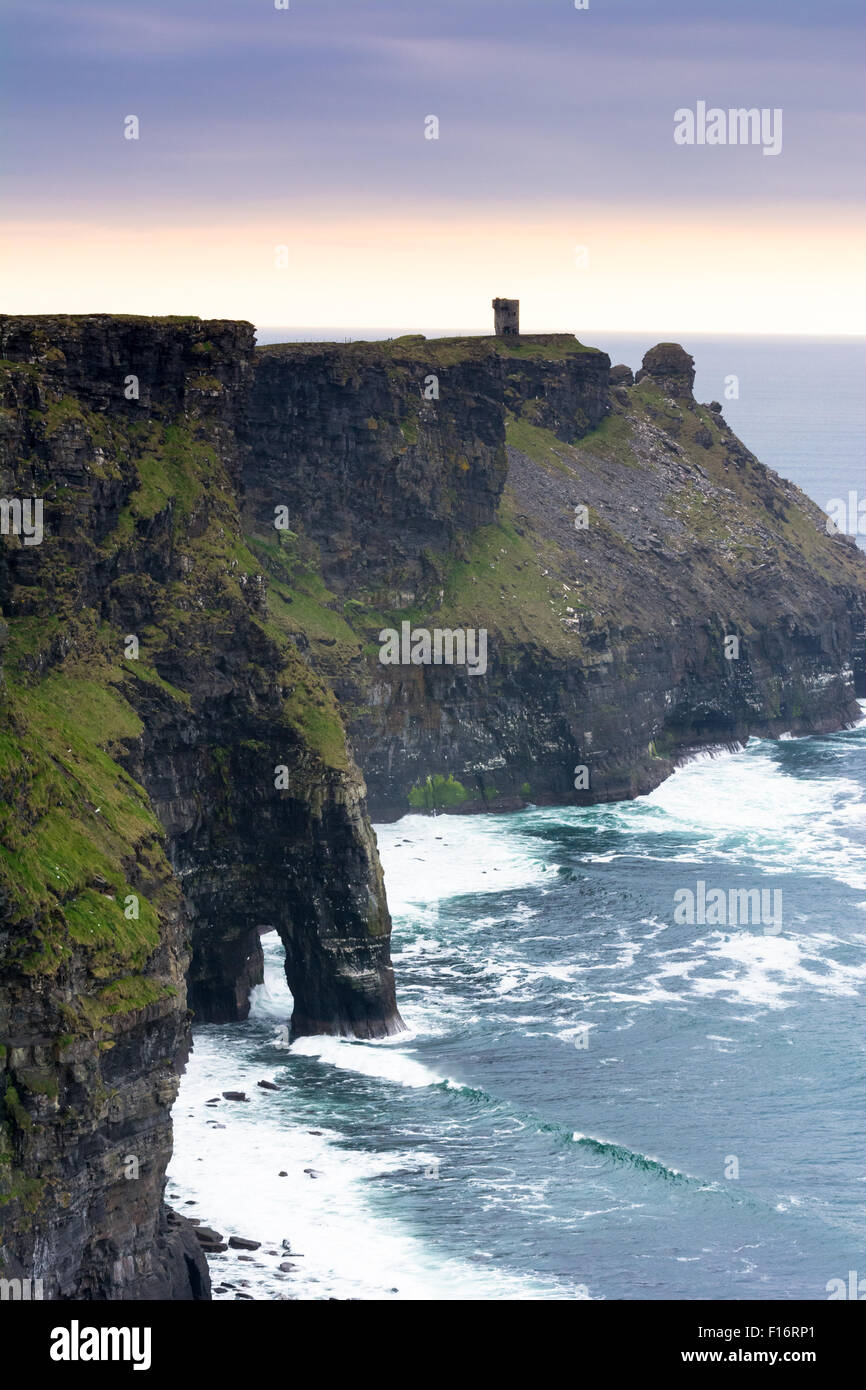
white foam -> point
(427, 859)
(344, 1247)
(742, 808)
(750, 968)
(368, 1059)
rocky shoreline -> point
(275, 1259)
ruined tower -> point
(506, 317)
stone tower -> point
(506, 317)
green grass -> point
(415, 349)
(72, 817)
(169, 473)
(539, 444)
(498, 584)
(558, 348)
(410, 429)
(612, 440)
(300, 604)
(58, 413)
(438, 793)
(123, 997)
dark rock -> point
(241, 1243)
(207, 1235)
(180, 1271)
(268, 1086)
(671, 366)
(621, 375)
(235, 1095)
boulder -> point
(671, 366)
(621, 375)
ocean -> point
(597, 1099)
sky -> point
(282, 171)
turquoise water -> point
(595, 1100)
(584, 1076)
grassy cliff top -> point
(81, 320)
(415, 347)
(411, 347)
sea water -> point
(593, 1100)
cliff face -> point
(174, 777)
(227, 537)
(634, 537)
(386, 453)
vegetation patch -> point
(438, 793)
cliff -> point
(174, 776)
(607, 535)
(193, 694)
